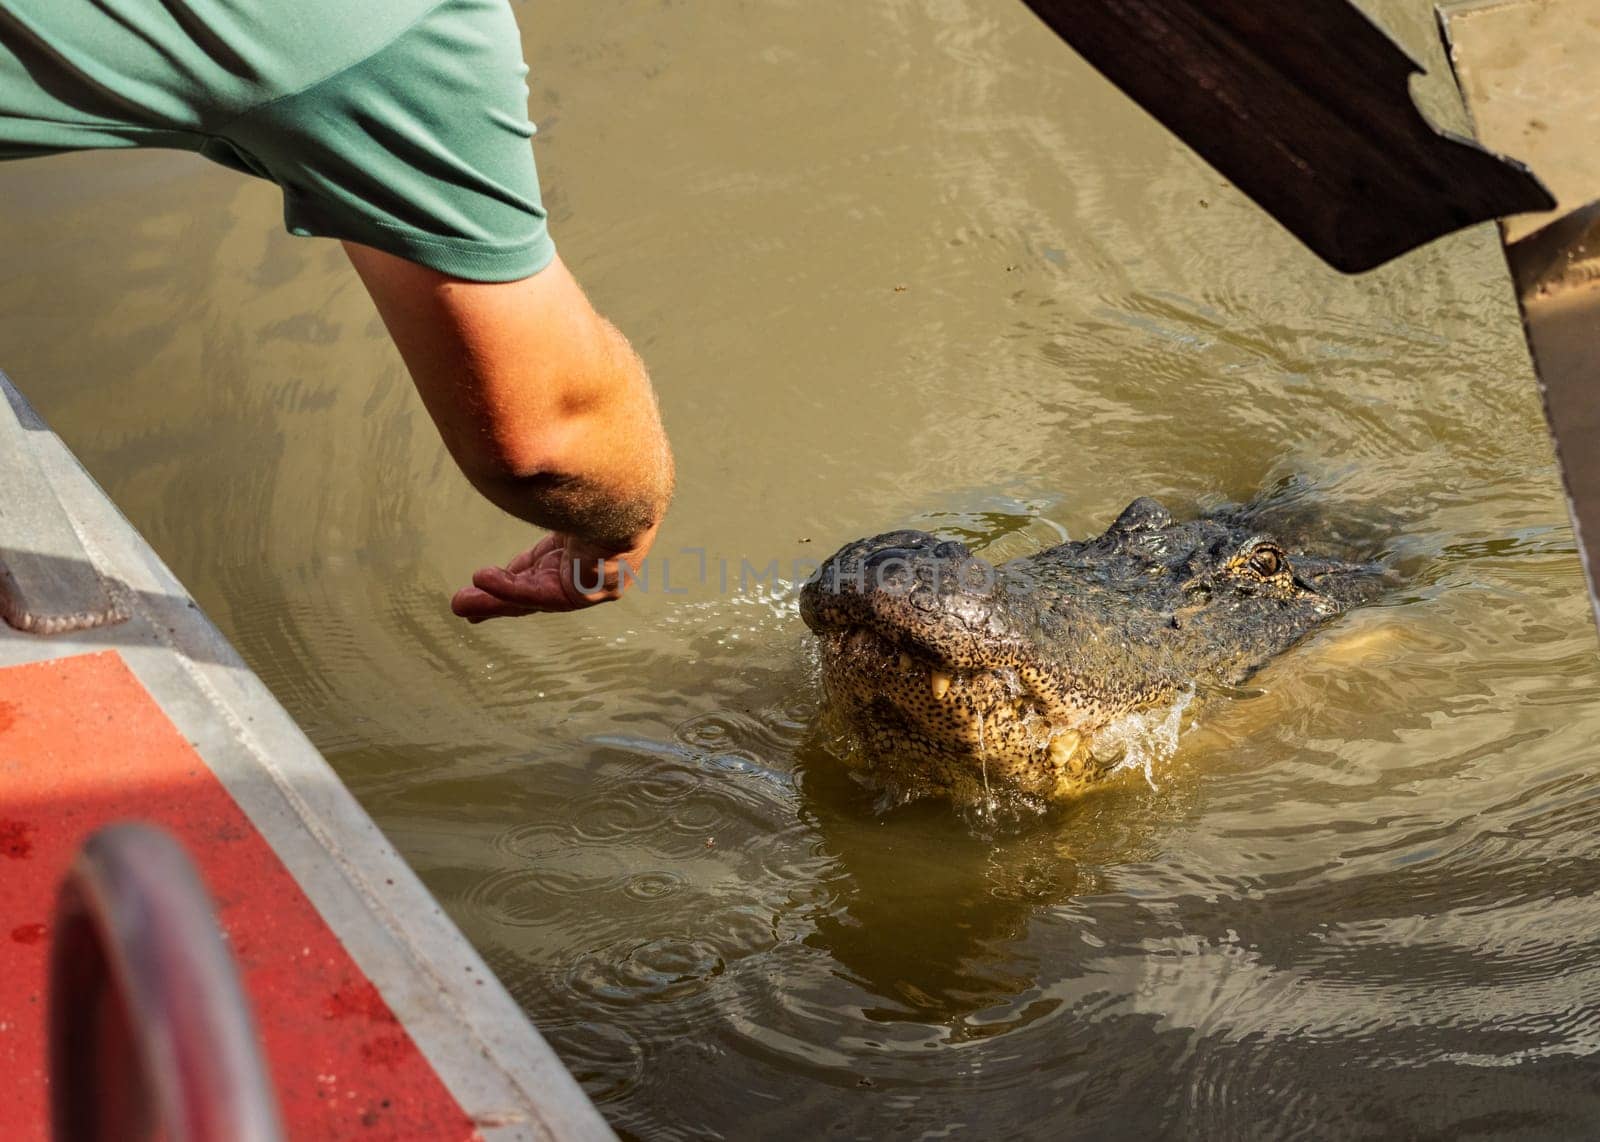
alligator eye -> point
(1266, 561)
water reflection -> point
(896, 870)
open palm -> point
(554, 575)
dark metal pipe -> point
(150, 1035)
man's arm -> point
(547, 411)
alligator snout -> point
(927, 596)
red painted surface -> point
(83, 744)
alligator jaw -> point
(936, 718)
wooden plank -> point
(1307, 109)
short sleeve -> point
(420, 149)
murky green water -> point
(896, 264)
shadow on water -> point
(921, 877)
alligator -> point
(960, 678)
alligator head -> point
(962, 678)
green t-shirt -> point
(399, 124)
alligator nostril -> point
(889, 557)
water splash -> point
(983, 763)
(1145, 738)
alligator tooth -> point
(905, 663)
(1063, 746)
(941, 683)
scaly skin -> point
(963, 679)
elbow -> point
(515, 451)
(529, 486)
(512, 472)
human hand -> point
(559, 573)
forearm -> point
(596, 465)
(543, 404)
